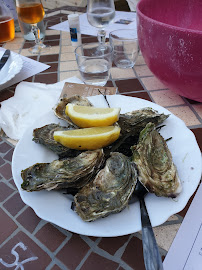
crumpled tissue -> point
(31, 101)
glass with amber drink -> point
(7, 26)
(32, 12)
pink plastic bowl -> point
(170, 38)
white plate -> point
(12, 67)
(54, 206)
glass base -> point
(38, 47)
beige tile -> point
(52, 32)
(52, 13)
(166, 98)
(165, 235)
(13, 142)
(153, 83)
(140, 60)
(67, 49)
(13, 46)
(198, 109)
(17, 39)
(64, 35)
(66, 41)
(25, 52)
(117, 73)
(67, 57)
(173, 218)
(143, 71)
(69, 74)
(67, 66)
(69, 12)
(186, 114)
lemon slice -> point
(86, 116)
(88, 138)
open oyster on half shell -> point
(73, 173)
(109, 192)
(59, 109)
(156, 170)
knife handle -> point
(152, 258)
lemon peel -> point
(88, 138)
(86, 116)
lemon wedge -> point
(88, 138)
(86, 116)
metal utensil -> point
(4, 58)
(152, 258)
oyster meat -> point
(59, 109)
(44, 136)
(156, 170)
(109, 192)
(73, 173)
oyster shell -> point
(156, 170)
(59, 109)
(44, 136)
(71, 173)
(131, 124)
(109, 192)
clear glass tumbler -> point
(125, 47)
(94, 64)
(7, 26)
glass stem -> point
(101, 36)
(35, 30)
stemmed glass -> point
(32, 12)
(100, 13)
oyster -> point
(44, 136)
(156, 170)
(71, 173)
(59, 109)
(109, 192)
(131, 124)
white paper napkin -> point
(31, 100)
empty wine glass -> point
(100, 13)
(32, 12)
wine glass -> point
(32, 12)
(100, 13)
(7, 26)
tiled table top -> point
(37, 244)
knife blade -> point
(4, 58)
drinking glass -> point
(125, 47)
(100, 13)
(7, 26)
(32, 12)
(94, 64)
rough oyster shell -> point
(44, 136)
(156, 170)
(133, 122)
(109, 192)
(59, 109)
(71, 173)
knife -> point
(4, 58)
